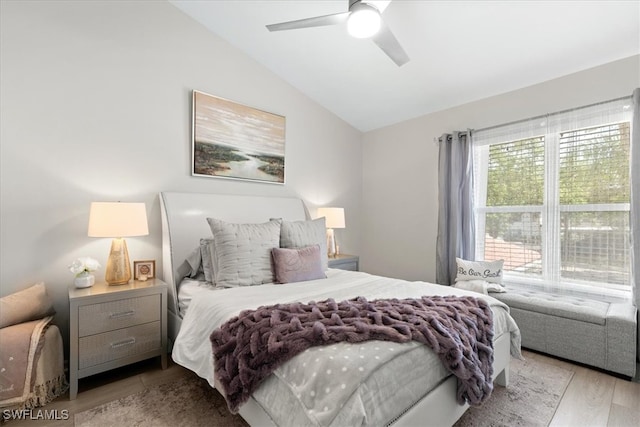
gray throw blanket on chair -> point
(249, 347)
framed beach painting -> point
(232, 140)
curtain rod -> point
(551, 114)
(449, 137)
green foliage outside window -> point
(592, 167)
(516, 173)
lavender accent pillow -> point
(297, 265)
(298, 234)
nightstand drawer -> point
(103, 348)
(345, 262)
(109, 316)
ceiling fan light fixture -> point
(364, 21)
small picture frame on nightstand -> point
(144, 270)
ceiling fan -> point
(363, 21)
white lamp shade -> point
(116, 219)
(334, 217)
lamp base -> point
(331, 243)
(118, 266)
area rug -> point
(531, 399)
(187, 402)
(534, 393)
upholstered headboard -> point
(184, 223)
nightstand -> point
(113, 326)
(345, 262)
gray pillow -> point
(297, 265)
(490, 271)
(298, 234)
(206, 252)
(199, 261)
(193, 263)
(242, 252)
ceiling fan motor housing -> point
(371, 26)
(364, 19)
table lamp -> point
(334, 218)
(118, 220)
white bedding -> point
(190, 289)
(309, 389)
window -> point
(552, 199)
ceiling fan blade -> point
(390, 45)
(317, 21)
(381, 5)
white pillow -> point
(242, 252)
(490, 271)
(300, 234)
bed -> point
(419, 392)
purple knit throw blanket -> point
(249, 347)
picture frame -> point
(235, 141)
(143, 270)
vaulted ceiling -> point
(460, 51)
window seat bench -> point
(589, 331)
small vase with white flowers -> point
(83, 268)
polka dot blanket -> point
(250, 346)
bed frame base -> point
(173, 327)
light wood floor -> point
(592, 399)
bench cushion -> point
(566, 306)
(596, 333)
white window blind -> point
(552, 198)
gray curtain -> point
(456, 223)
(635, 205)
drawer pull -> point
(122, 314)
(123, 343)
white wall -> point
(400, 163)
(96, 106)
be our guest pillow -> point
(297, 265)
(489, 271)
